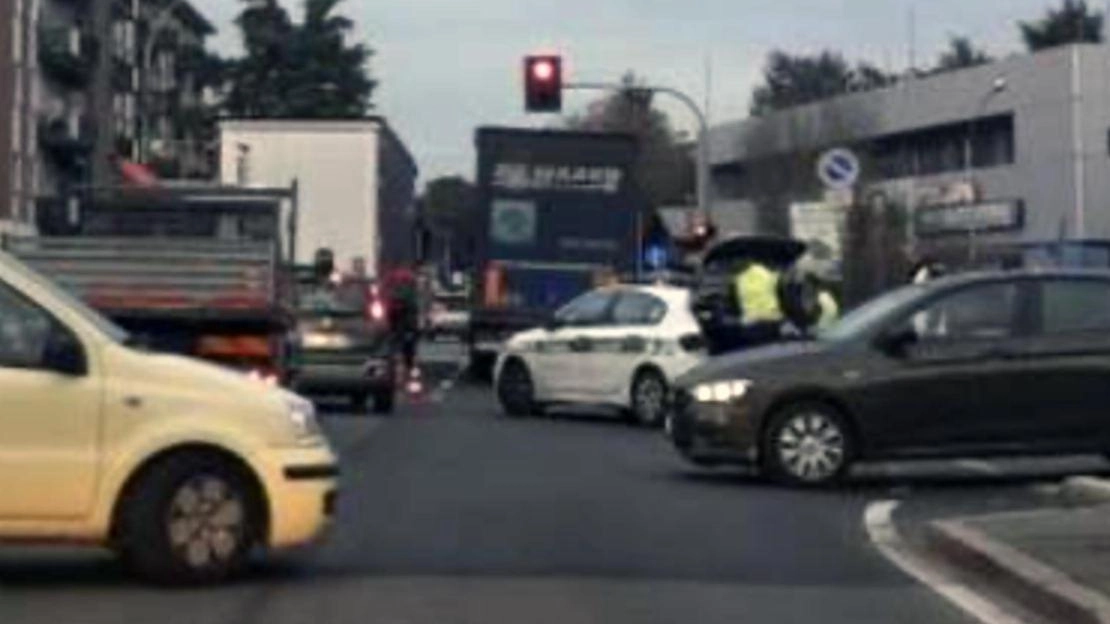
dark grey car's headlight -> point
(728, 391)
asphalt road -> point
(453, 513)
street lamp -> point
(160, 22)
(998, 85)
(704, 188)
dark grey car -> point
(345, 346)
(982, 364)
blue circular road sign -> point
(838, 169)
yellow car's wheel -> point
(191, 518)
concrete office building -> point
(1016, 150)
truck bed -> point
(159, 277)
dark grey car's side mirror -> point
(896, 343)
(65, 355)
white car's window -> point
(590, 309)
(637, 308)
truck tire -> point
(192, 518)
(358, 402)
(481, 366)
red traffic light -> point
(543, 84)
(543, 70)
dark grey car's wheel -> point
(384, 401)
(358, 402)
(191, 518)
(649, 398)
(807, 444)
(515, 390)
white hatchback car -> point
(619, 346)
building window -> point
(17, 129)
(943, 149)
(17, 173)
(17, 33)
(993, 142)
(129, 38)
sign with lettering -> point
(964, 218)
(527, 177)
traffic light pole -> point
(704, 200)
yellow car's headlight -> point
(722, 391)
(302, 415)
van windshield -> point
(107, 328)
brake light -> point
(377, 310)
(692, 342)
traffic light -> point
(543, 84)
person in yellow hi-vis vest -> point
(830, 309)
(757, 297)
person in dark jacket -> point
(404, 314)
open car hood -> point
(779, 252)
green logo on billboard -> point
(513, 222)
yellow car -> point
(181, 467)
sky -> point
(447, 67)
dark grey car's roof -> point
(973, 277)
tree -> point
(664, 167)
(329, 77)
(961, 53)
(867, 77)
(448, 207)
(259, 80)
(794, 80)
(1072, 22)
(304, 71)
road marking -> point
(877, 518)
(979, 465)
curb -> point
(1020, 578)
(1086, 491)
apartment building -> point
(72, 79)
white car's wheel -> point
(515, 389)
(649, 398)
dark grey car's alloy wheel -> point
(808, 444)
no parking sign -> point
(838, 169)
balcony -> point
(67, 146)
(58, 215)
(123, 77)
(68, 55)
(120, 8)
(79, 5)
(125, 147)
